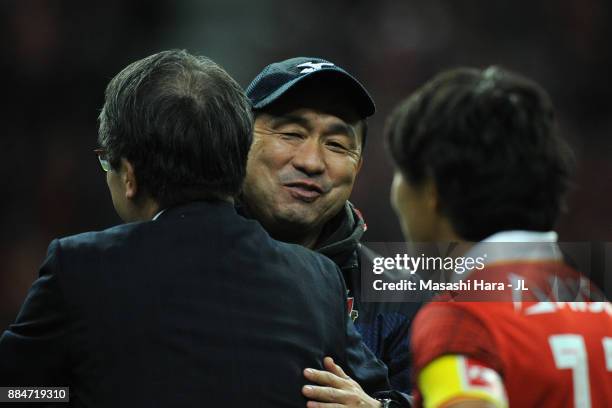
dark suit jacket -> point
(197, 308)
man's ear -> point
(128, 178)
(431, 196)
(444, 229)
(359, 164)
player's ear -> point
(443, 227)
(430, 192)
(128, 178)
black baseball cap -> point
(279, 77)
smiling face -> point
(301, 169)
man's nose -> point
(309, 158)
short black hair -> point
(486, 140)
(182, 122)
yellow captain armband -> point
(454, 378)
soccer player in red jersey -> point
(477, 161)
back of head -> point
(486, 140)
(182, 122)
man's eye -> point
(337, 146)
(290, 135)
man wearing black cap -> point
(184, 303)
(309, 134)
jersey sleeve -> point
(447, 328)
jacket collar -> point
(340, 238)
(196, 208)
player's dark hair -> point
(182, 122)
(486, 140)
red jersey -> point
(548, 354)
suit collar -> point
(196, 208)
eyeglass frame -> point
(104, 163)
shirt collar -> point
(515, 245)
(156, 216)
(522, 236)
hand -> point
(335, 390)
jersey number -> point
(570, 352)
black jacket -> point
(198, 308)
(385, 327)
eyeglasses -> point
(103, 159)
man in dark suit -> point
(187, 304)
(308, 147)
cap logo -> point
(313, 66)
